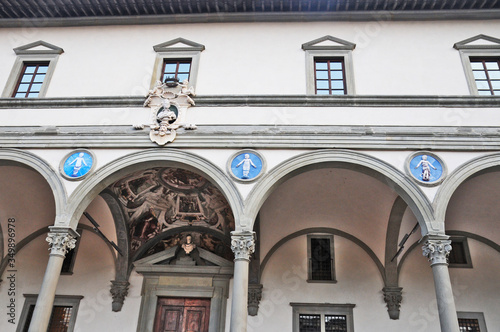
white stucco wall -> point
(414, 58)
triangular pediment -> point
(179, 45)
(38, 47)
(328, 43)
(160, 257)
(478, 42)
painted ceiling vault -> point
(176, 201)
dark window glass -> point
(486, 73)
(329, 76)
(335, 323)
(59, 319)
(68, 262)
(321, 260)
(31, 80)
(457, 253)
(179, 69)
(468, 325)
(309, 323)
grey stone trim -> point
(393, 297)
(41, 166)
(464, 44)
(254, 298)
(165, 47)
(27, 49)
(260, 137)
(348, 159)
(89, 188)
(474, 315)
(323, 309)
(344, 44)
(323, 230)
(407, 15)
(458, 176)
(61, 300)
(263, 101)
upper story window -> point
(329, 76)
(177, 58)
(32, 71)
(486, 73)
(329, 69)
(481, 61)
(459, 254)
(179, 69)
(31, 80)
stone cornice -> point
(272, 137)
(224, 17)
(262, 101)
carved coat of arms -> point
(168, 102)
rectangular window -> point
(468, 325)
(31, 80)
(329, 76)
(486, 73)
(459, 254)
(322, 317)
(70, 258)
(321, 258)
(179, 69)
(63, 315)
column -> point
(243, 245)
(60, 239)
(437, 249)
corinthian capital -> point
(242, 244)
(61, 240)
(437, 250)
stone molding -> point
(61, 240)
(393, 297)
(243, 245)
(119, 290)
(437, 250)
(254, 298)
(265, 100)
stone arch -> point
(326, 230)
(356, 161)
(44, 169)
(118, 168)
(459, 176)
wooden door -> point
(182, 315)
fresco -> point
(161, 199)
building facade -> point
(250, 166)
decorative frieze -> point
(254, 297)
(243, 245)
(437, 250)
(61, 241)
(119, 290)
(393, 297)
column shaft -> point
(60, 241)
(243, 245)
(437, 249)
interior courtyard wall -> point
(429, 64)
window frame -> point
(73, 257)
(25, 54)
(465, 245)
(59, 300)
(322, 309)
(468, 49)
(170, 52)
(329, 47)
(474, 315)
(309, 257)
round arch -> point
(103, 177)
(44, 169)
(356, 161)
(460, 175)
